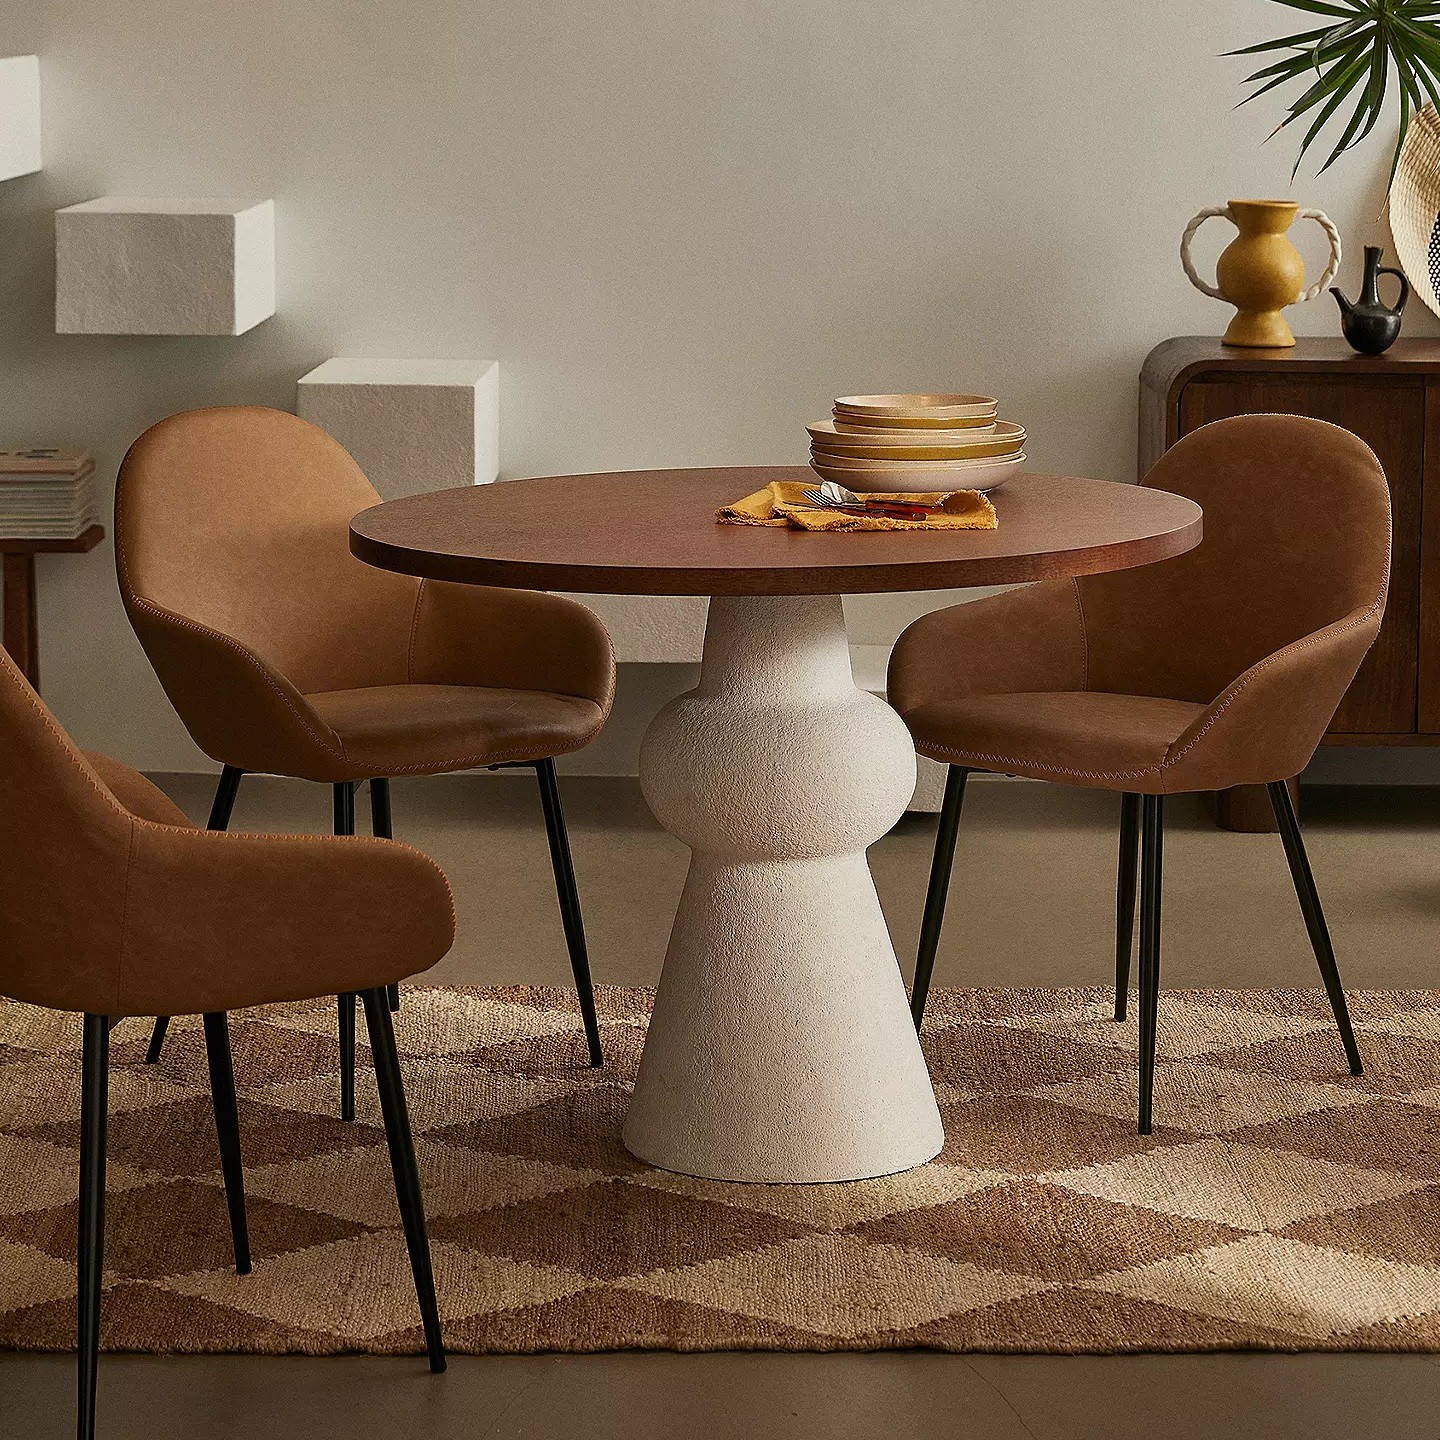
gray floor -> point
(1032, 905)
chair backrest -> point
(238, 519)
(1297, 536)
(64, 847)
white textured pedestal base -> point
(781, 1049)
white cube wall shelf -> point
(164, 267)
(412, 425)
(19, 116)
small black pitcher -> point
(1370, 327)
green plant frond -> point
(1351, 60)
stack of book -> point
(46, 494)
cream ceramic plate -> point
(917, 407)
(967, 475)
(1002, 438)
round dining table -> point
(781, 1048)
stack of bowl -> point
(917, 443)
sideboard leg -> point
(21, 622)
(1246, 809)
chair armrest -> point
(1025, 640)
(219, 921)
(510, 640)
(1267, 725)
(138, 795)
(238, 710)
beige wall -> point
(681, 229)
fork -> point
(826, 498)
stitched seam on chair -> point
(489, 757)
(125, 915)
(71, 751)
(337, 749)
(1084, 637)
(414, 631)
(128, 590)
(1172, 757)
(246, 837)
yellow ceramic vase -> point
(1261, 273)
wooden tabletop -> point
(654, 532)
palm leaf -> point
(1349, 59)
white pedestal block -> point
(164, 267)
(19, 116)
(412, 425)
(781, 1049)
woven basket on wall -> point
(1415, 206)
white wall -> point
(681, 229)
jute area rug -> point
(1279, 1206)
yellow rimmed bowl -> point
(1002, 438)
(916, 412)
(918, 476)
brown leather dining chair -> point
(1221, 667)
(285, 655)
(113, 905)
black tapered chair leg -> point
(157, 1040)
(94, 1097)
(1319, 931)
(382, 827)
(344, 796)
(345, 1007)
(221, 808)
(1152, 850)
(941, 865)
(1125, 900)
(227, 1132)
(569, 897)
(402, 1164)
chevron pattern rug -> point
(1280, 1204)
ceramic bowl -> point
(853, 420)
(1003, 438)
(953, 408)
(979, 475)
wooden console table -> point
(22, 624)
(1390, 401)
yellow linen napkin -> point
(782, 503)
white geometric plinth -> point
(781, 1048)
(164, 267)
(412, 425)
(19, 116)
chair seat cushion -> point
(432, 729)
(1080, 736)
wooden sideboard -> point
(1390, 401)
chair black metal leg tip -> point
(438, 1363)
(157, 1040)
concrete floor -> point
(1032, 905)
